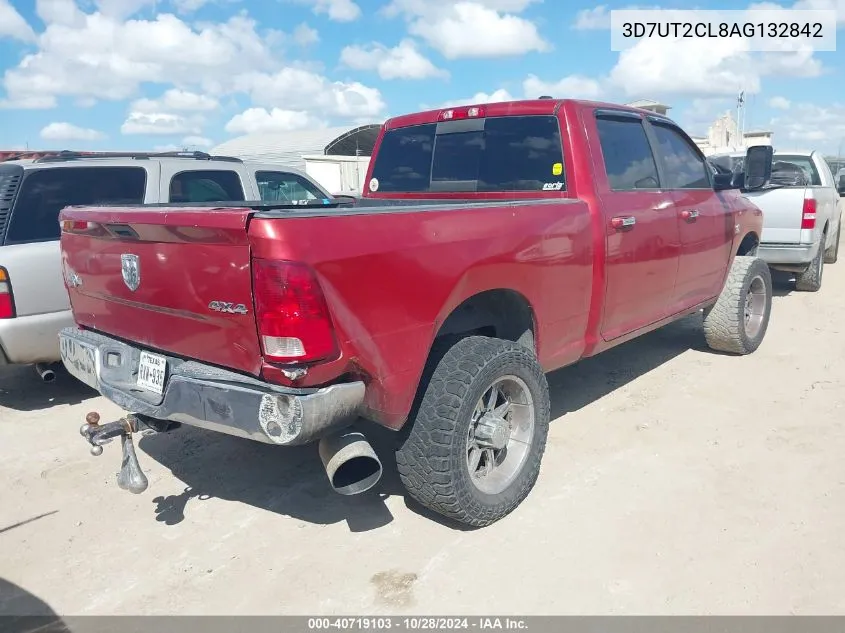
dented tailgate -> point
(176, 280)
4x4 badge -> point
(130, 268)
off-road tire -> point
(724, 323)
(431, 459)
(811, 279)
(832, 253)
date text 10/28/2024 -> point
(417, 624)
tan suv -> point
(33, 300)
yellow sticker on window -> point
(557, 169)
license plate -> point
(80, 360)
(152, 370)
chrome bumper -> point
(209, 397)
(788, 254)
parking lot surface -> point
(675, 481)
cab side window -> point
(628, 160)
(685, 168)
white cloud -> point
(400, 62)
(595, 18)
(122, 9)
(779, 103)
(571, 87)
(809, 126)
(91, 55)
(168, 147)
(304, 35)
(337, 10)
(599, 17)
(471, 28)
(697, 68)
(301, 89)
(158, 124)
(496, 96)
(13, 25)
(62, 131)
(259, 120)
(197, 141)
(179, 100)
(421, 7)
(94, 57)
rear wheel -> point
(811, 279)
(737, 323)
(832, 253)
(474, 448)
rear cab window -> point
(44, 192)
(494, 154)
(209, 185)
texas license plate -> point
(152, 371)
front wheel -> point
(474, 448)
(738, 321)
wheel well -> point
(748, 245)
(501, 313)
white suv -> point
(33, 300)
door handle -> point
(623, 222)
(689, 214)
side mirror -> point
(840, 186)
(721, 182)
(345, 199)
(758, 166)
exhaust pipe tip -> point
(351, 464)
(45, 372)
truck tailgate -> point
(176, 280)
(782, 213)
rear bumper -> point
(789, 254)
(209, 397)
(33, 339)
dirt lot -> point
(675, 481)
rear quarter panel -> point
(392, 277)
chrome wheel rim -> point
(500, 434)
(755, 306)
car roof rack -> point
(69, 155)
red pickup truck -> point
(493, 243)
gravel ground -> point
(676, 481)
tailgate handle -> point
(689, 214)
(625, 222)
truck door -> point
(640, 224)
(705, 223)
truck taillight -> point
(7, 301)
(79, 226)
(291, 313)
(453, 114)
(808, 216)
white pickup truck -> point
(801, 214)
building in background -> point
(337, 158)
(724, 136)
(650, 105)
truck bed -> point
(363, 256)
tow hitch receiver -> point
(131, 477)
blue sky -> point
(149, 74)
